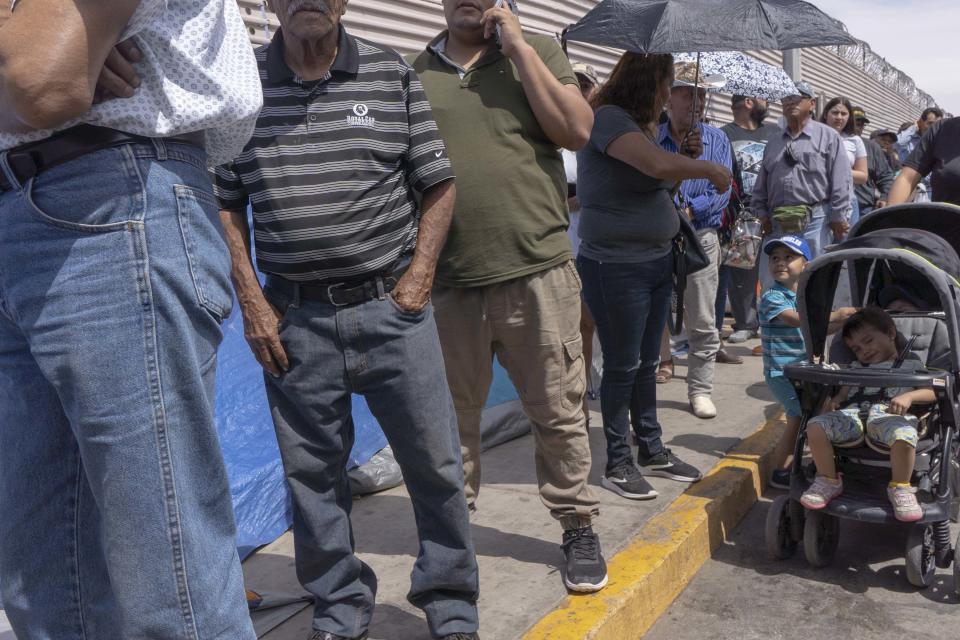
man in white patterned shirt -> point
(114, 278)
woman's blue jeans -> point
(630, 303)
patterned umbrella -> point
(746, 76)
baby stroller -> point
(908, 248)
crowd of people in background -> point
(410, 231)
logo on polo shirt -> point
(360, 117)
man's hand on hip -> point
(412, 292)
(118, 78)
(261, 328)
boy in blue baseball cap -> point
(782, 339)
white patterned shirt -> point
(198, 73)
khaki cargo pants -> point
(532, 324)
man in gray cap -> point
(803, 186)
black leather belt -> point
(29, 160)
(339, 294)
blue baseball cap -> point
(795, 244)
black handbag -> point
(688, 258)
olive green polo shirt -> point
(511, 217)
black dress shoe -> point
(326, 635)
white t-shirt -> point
(570, 168)
(569, 165)
(198, 73)
(854, 146)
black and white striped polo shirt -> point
(332, 167)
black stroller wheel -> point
(920, 557)
(777, 532)
(821, 536)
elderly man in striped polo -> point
(345, 142)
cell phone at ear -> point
(512, 6)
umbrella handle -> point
(696, 93)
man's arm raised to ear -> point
(51, 55)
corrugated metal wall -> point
(407, 25)
(832, 76)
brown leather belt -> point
(29, 160)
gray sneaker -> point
(586, 570)
(667, 465)
(627, 481)
(741, 336)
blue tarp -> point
(260, 498)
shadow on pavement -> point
(706, 444)
(869, 557)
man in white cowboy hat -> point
(704, 204)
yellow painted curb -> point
(651, 571)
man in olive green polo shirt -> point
(506, 283)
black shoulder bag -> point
(688, 258)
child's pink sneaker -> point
(905, 505)
(821, 492)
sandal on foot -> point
(665, 372)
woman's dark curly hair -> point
(634, 85)
(847, 128)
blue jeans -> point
(393, 359)
(630, 303)
(116, 515)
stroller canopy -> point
(936, 217)
(918, 261)
(870, 277)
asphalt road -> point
(740, 593)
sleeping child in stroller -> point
(879, 414)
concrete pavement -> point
(517, 541)
(863, 595)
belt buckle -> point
(330, 289)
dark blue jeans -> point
(630, 303)
(393, 359)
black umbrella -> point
(677, 26)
